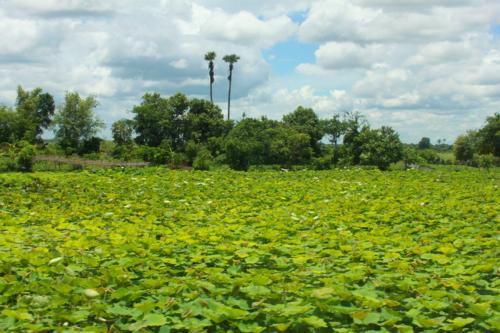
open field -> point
(152, 250)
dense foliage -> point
(481, 147)
(76, 125)
(168, 251)
(174, 130)
(32, 115)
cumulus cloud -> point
(120, 49)
(344, 55)
(61, 8)
(443, 52)
(23, 34)
(426, 67)
(263, 8)
(240, 28)
(342, 20)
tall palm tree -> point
(210, 57)
(231, 60)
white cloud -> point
(263, 8)
(22, 34)
(240, 28)
(342, 20)
(426, 67)
(443, 52)
(344, 55)
(179, 64)
(62, 7)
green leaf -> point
(151, 319)
(322, 293)
(480, 309)
(460, 322)
(315, 322)
(123, 311)
(250, 327)
(18, 314)
(365, 317)
(255, 291)
(424, 322)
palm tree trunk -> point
(211, 98)
(229, 99)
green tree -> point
(210, 57)
(354, 122)
(305, 120)
(231, 60)
(122, 131)
(465, 147)
(75, 122)
(158, 119)
(425, 143)
(380, 147)
(286, 146)
(334, 128)
(10, 125)
(244, 145)
(204, 120)
(488, 137)
(152, 119)
(176, 122)
(35, 110)
(264, 141)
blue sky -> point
(496, 30)
(398, 63)
(285, 56)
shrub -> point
(486, 161)
(465, 146)
(430, 156)
(412, 157)
(177, 160)
(203, 160)
(321, 163)
(154, 155)
(90, 146)
(25, 157)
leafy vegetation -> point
(173, 130)
(474, 147)
(76, 125)
(154, 250)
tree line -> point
(179, 131)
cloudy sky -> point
(425, 67)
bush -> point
(90, 146)
(177, 160)
(238, 154)
(486, 161)
(17, 158)
(25, 157)
(465, 147)
(321, 163)
(203, 160)
(153, 155)
(412, 157)
(430, 156)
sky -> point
(424, 67)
